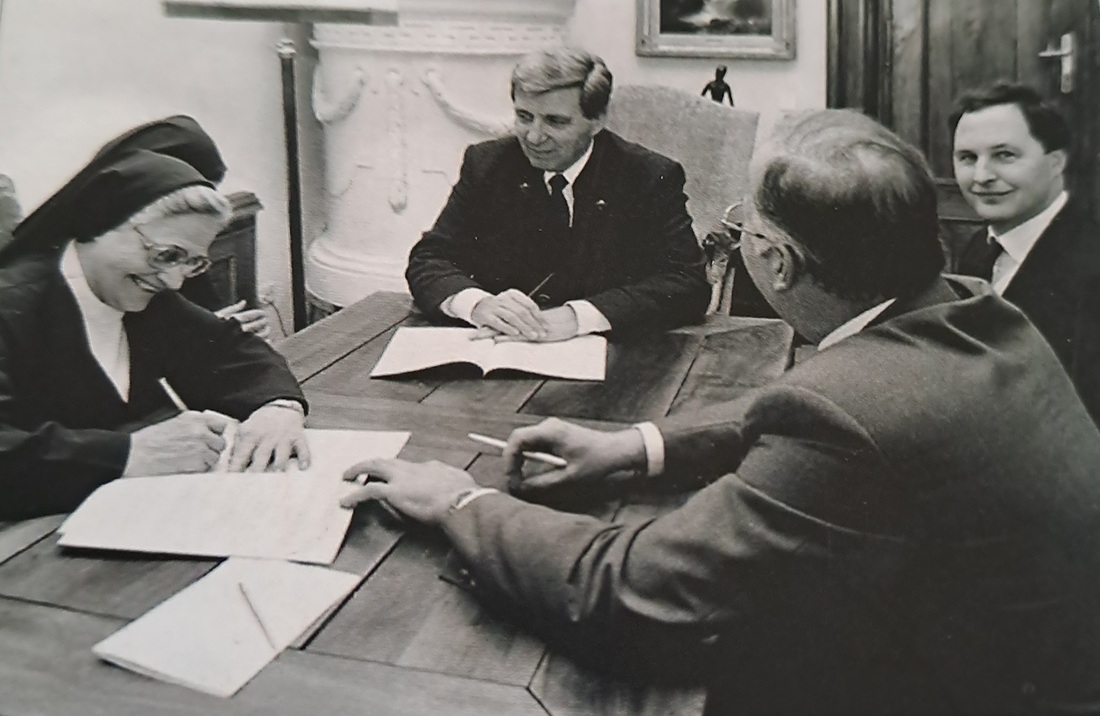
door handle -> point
(1066, 53)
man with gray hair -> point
(907, 522)
(563, 228)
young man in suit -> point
(563, 228)
(1042, 248)
(906, 522)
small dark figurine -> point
(717, 88)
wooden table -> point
(406, 642)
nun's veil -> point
(126, 175)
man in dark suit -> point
(1042, 248)
(906, 522)
(563, 228)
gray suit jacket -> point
(907, 522)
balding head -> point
(858, 200)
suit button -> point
(542, 300)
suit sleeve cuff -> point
(654, 444)
(461, 305)
(589, 318)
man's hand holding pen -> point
(560, 322)
(514, 316)
(510, 313)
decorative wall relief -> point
(490, 127)
(395, 132)
(328, 111)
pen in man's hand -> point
(545, 457)
(173, 395)
(487, 332)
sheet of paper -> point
(413, 349)
(211, 637)
(293, 515)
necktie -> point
(559, 208)
(993, 251)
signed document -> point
(293, 515)
(413, 349)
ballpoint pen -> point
(533, 455)
(173, 395)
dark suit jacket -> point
(631, 251)
(909, 522)
(1058, 288)
(63, 426)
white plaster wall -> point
(607, 27)
(73, 73)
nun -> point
(105, 370)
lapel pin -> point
(524, 186)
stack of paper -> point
(294, 515)
(218, 633)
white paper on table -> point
(294, 515)
(413, 349)
(207, 638)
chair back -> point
(713, 142)
(10, 211)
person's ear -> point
(785, 264)
(1057, 159)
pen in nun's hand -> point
(545, 457)
(173, 395)
(487, 332)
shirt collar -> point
(1017, 242)
(94, 310)
(854, 325)
(573, 171)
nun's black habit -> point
(64, 429)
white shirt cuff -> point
(589, 318)
(461, 305)
(654, 444)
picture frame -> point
(748, 29)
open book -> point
(293, 515)
(413, 349)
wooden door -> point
(904, 61)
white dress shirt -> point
(102, 324)
(654, 442)
(1018, 242)
(589, 318)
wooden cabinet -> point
(232, 276)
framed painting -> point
(754, 29)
